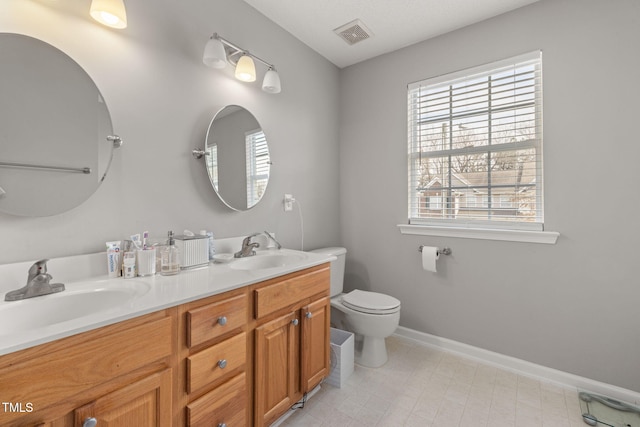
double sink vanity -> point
(233, 344)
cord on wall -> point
(288, 202)
(301, 225)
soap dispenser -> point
(170, 257)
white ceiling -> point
(394, 23)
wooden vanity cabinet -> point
(240, 358)
(119, 374)
(291, 340)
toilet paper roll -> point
(429, 257)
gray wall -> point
(572, 306)
(161, 99)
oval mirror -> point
(237, 157)
(55, 130)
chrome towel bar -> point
(55, 168)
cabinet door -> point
(145, 403)
(315, 343)
(277, 362)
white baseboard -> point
(520, 366)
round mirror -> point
(237, 157)
(55, 130)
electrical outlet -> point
(288, 202)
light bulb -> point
(246, 69)
(111, 13)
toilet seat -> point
(371, 302)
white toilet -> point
(370, 315)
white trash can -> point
(342, 353)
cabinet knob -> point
(295, 322)
(222, 425)
(222, 320)
(222, 363)
(90, 422)
(309, 315)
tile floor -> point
(424, 387)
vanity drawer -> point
(216, 361)
(213, 320)
(283, 293)
(226, 405)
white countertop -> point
(163, 292)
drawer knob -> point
(90, 422)
(222, 363)
(222, 320)
(295, 322)
(222, 425)
(309, 315)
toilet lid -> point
(371, 302)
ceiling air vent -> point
(353, 32)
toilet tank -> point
(337, 267)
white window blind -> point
(258, 165)
(211, 160)
(475, 147)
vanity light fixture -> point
(218, 52)
(111, 13)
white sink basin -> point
(80, 301)
(268, 259)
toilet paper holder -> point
(443, 251)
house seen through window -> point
(475, 147)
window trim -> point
(506, 235)
(480, 229)
(492, 230)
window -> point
(211, 160)
(475, 147)
(258, 165)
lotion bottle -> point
(170, 257)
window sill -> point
(544, 237)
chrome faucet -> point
(248, 247)
(37, 284)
